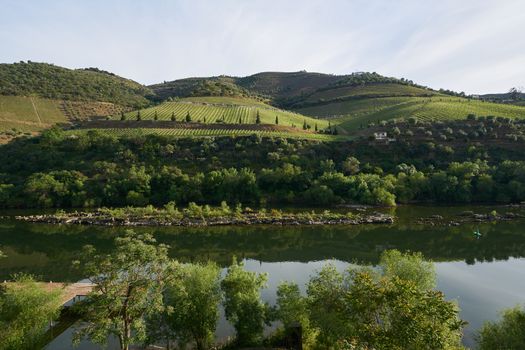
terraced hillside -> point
(353, 114)
(182, 131)
(27, 115)
(226, 110)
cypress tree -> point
(240, 120)
(156, 117)
(188, 117)
(316, 127)
(138, 116)
(257, 118)
(276, 120)
(173, 117)
(304, 125)
(122, 116)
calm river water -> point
(484, 275)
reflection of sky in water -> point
(482, 290)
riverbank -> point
(469, 217)
(196, 215)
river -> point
(484, 275)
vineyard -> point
(351, 115)
(208, 132)
(369, 90)
(223, 110)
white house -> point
(381, 135)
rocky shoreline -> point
(286, 219)
(468, 217)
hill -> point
(223, 110)
(352, 115)
(54, 82)
(19, 115)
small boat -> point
(477, 234)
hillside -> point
(354, 114)
(28, 115)
(54, 82)
(222, 110)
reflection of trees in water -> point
(63, 244)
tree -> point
(394, 307)
(194, 298)
(122, 116)
(508, 333)
(188, 117)
(351, 165)
(515, 94)
(242, 303)
(305, 126)
(257, 118)
(26, 310)
(173, 118)
(139, 116)
(316, 127)
(408, 267)
(128, 287)
(292, 309)
(240, 120)
(156, 116)
(276, 120)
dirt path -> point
(36, 112)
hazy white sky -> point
(477, 46)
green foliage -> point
(128, 287)
(393, 307)
(408, 267)
(193, 299)
(50, 81)
(242, 303)
(26, 310)
(96, 169)
(508, 333)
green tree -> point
(194, 297)
(326, 303)
(26, 310)
(408, 267)
(276, 120)
(139, 117)
(508, 333)
(156, 116)
(128, 287)
(173, 118)
(351, 165)
(305, 126)
(242, 303)
(292, 309)
(122, 116)
(188, 117)
(257, 118)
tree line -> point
(57, 170)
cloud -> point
(474, 46)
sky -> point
(476, 46)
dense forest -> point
(62, 169)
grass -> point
(369, 90)
(229, 110)
(29, 114)
(182, 133)
(351, 115)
